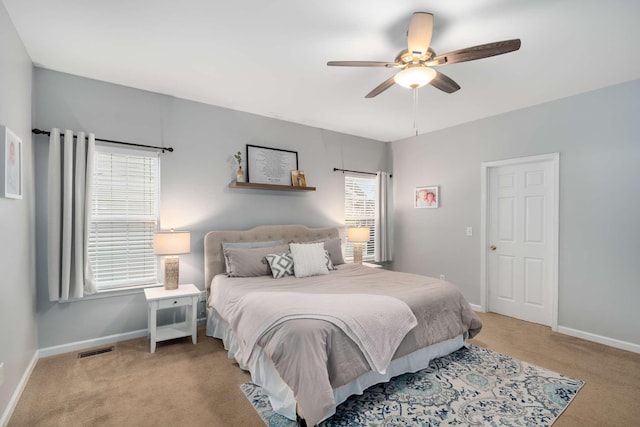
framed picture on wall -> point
(426, 197)
(270, 165)
(11, 161)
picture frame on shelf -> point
(11, 161)
(270, 165)
(426, 197)
(298, 179)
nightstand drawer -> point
(174, 302)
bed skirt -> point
(264, 374)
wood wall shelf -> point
(256, 186)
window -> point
(124, 214)
(359, 205)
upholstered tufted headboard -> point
(214, 259)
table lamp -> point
(171, 243)
(358, 236)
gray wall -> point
(18, 331)
(194, 193)
(596, 134)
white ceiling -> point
(269, 57)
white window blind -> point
(124, 214)
(360, 202)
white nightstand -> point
(160, 298)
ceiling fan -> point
(415, 63)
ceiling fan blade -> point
(419, 34)
(381, 87)
(361, 64)
(477, 52)
(444, 83)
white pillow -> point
(308, 259)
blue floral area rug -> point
(471, 387)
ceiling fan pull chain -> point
(415, 108)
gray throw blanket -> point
(376, 323)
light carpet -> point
(472, 386)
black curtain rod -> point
(170, 149)
(349, 170)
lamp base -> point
(357, 253)
(171, 272)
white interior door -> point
(522, 215)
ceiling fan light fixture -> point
(414, 77)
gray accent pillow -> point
(228, 245)
(281, 264)
(247, 262)
(334, 247)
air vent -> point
(90, 353)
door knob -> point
(493, 247)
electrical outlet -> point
(1, 373)
(469, 231)
(442, 277)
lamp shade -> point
(171, 242)
(358, 234)
(415, 77)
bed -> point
(311, 360)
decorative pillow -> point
(281, 264)
(308, 259)
(247, 262)
(327, 261)
(228, 245)
(334, 247)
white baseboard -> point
(611, 342)
(476, 307)
(13, 402)
(95, 342)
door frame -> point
(484, 226)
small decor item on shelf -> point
(240, 172)
(298, 179)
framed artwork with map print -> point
(270, 165)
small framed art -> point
(11, 160)
(426, 197)
(298, 179)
